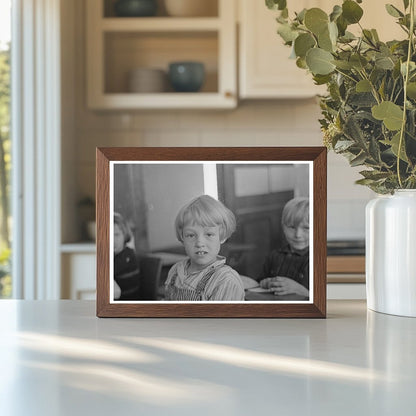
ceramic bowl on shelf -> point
(135, 8)
(186, 76)
(147, 80)
(191, 8)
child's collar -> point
(218, 262)
(289, 249)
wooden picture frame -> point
(128, 178)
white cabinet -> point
(265, 70)
(118, 45)
(78, 263)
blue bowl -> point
(186, 76)
(135, 8)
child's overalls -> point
(175, 293)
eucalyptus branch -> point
(405, 81)
(371, 64)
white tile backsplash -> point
(166, 138)
(146, 120)
(208, 119)
(346, 219)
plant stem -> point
(346, 75)
(373, 88)
(391, 98)
(405, 81)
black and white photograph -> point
(211, 231)
(221, 232)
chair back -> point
(150, 269)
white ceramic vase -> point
(391, 253)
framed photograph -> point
(211, 232)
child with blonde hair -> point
(286, 270)
(202, 226)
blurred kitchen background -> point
(253, 95)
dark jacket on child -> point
(287, 263)
(127, 274)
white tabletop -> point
(57, 358)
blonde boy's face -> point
(202, 245)
(297, 236)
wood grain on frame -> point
(317, 309)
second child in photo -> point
(286, 269)
(126, 268)
(202, 226)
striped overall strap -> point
(180, 294)
(203, 282)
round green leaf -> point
(336, 12)
(411, 90)
(276, 4)
(303, 43)
(301, 15)
(344, 65)
(412, 67)
(316, 20)
(327, 39)
(395, 144)
(301, 63)
(363, 86)
(391, 114)
(351, 11)
(342, 25)
(322, 79)
(333, 32)
(319, 61)
(384, 62)
(325, 42)
(358, 61)
(287, 33)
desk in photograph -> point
(57, 358)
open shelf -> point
(127, 51)
(160, 24)
(118, 45)
(209, 9)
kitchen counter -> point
(57, 358)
